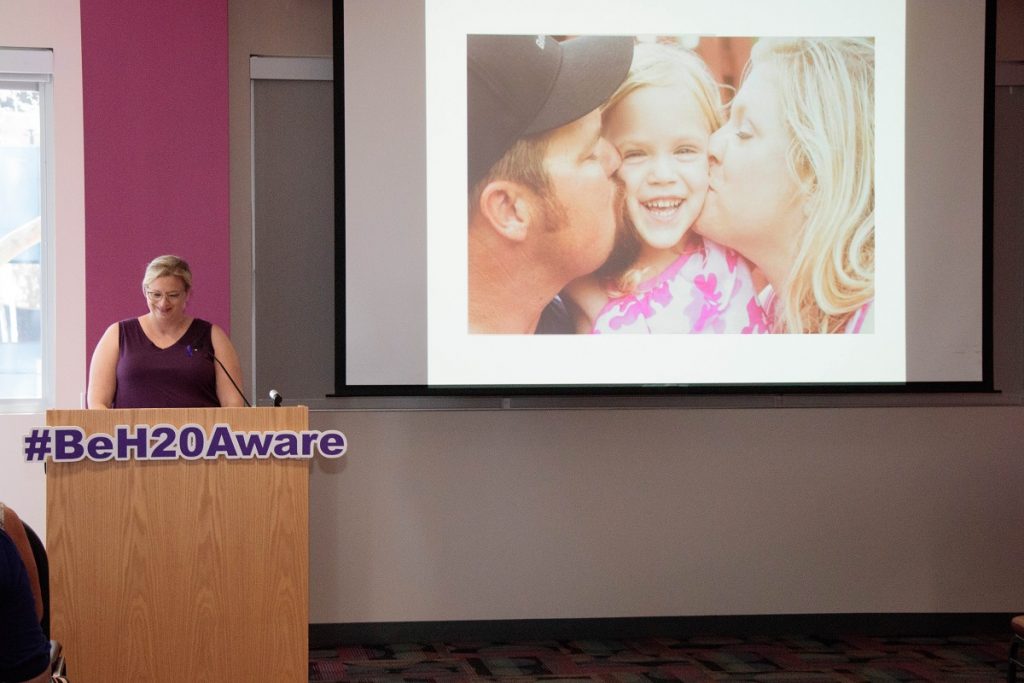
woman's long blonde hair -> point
(658, 65)
(827, 91)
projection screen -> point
(407, 303)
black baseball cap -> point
(520, 86)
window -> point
(25, 229)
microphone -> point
(210, 355)
(276, 395)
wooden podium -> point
(180, 570)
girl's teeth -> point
(663, 206)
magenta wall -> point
(155, 81)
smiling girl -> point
(661, 277)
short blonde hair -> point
(167, 265)
(657, 65)
(827, 88)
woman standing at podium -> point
(165, 358)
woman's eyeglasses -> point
(157, 297)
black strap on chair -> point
(43, 568)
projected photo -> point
(670, 185)
(707, 192)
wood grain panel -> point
(181, 571)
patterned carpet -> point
(961, 659)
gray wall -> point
(559, 514)
(293, 237)
(502, 514)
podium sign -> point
(181, 569)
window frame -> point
(20, 67)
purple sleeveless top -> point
(180, 376)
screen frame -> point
(344, 389)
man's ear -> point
(507, 207)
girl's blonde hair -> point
(828, 102)
(163, 266)
(656, 65)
